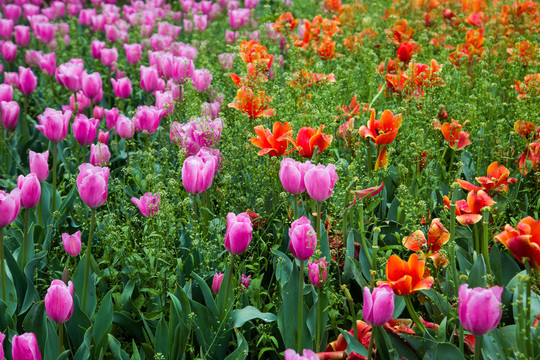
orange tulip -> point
(437, 237)
(530, 159)
(285, 23)
(530, 87)
(251, 104)
(383, 131)
(406, 277)
(452, 133)
(524, 128)
(308, 138)
(496, 180)
(273, 143)
(524, 241)
(468, 212)
(255, 55)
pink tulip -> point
(211, 110)
(30, 10)
(27, 80)
(183, 69)
(84, 129)
(96, 47)
(85, 16)
(109, 56)
(216, 282)
(317, 272)
(103, 136)
(39, 165)
(92, 184)
(30, 190)
(200, 22)
(303, 239)
(44, 32)
(290, 354)
(165, 101)
(6, 28)
(99, 155)
(148, 204)
(33, 57)
(111, 117)
(9, 51)
(98, 112)
(201, 79)
(226, 61)
(480, 309)
(48, 64)
(231, 37)
(206, 6)
(188, 25)
(2, 337)
(125, 127)
(10, 114)
(149, 79)
(245, 281)
(59, 301)
(22, 35)
(238, 18)
(6, 92)
(292, 174)
(147, 119)
(10, 205)
(11, 78)
(82, 102)
(379, 306)
(320, 181)
(12, 12)
(251, 4)
(69, 75)
(72, 243)
(91, 84)
(122, 87)
(133, 53)
(54, 124)
(25, 347)
(198, 174)
(239, 232)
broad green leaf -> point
(241, 316)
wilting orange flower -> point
(332, 5)
(400, 32)
(255, 56)
(353, 110)
(530, 86)
(285, 23)
(273, 143)
(406, 50)
(530, 159)
(524, 241)
(384, 130)
(253, 104)
(524, 128)
(327, 49)
(416, 79)
(352, 42)
(308, 138)
(437, 237)
(457, 139)
(477, 19)
(524, 52)
(468, 211)
(303, 79)
(497, 179)
(257, 220)
(472, 48)
(406, 277)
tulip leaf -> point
(78, 281)
(444, 351)
(477, 276)
(161, 340)
(207, 294)
(36, 321)
(399, 306)
(116, 349)
(83, 351)
(420, 345)
(438, 301)
(535, 298)
(51, 346)
(178, 336)
(6, 320)
(103, 322)
(325, 246)
(242, 350)
(500, 343)
(241, 316)
(76, 326)
(283, 267)
(352, 344)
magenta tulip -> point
(183, 69)
(111, 117)
(125, 127)
(99, 154)
(292, 174)
(10, 205)
(245, 281)
(200, 22)
(92, 184)
(91, 84)
(84, 129)
(303, 239)
(148, 204)
(2, 337)
(44, 32)
(133, 53)
(201, 79)
(188, 25)
(6, 28)
(216, 282)
(30, 190)
(103, 136)
(59, 301)
(72, 243)
(211, 110)
(9, 51)
(379, 306)
(109, 56)
(54, 124)
(11, 78)
(122, 87)
(25, 347)
(33, 57)
(69, 75)
(22, 35)
(10, 114)
(238, 18)
(39, 165)
(147, 119)
(480, 309)
(96, 47)
(231, 37)
(27, 80)
(290, 354)
(98, 112)
(48, 64)
(317, 272)
(198, 174)
(226, 60)
(6, 92)
(165, 101)
(320, 181)
(238, 233)
(149, 79)
(12, 12)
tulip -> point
(33, 57)
(200, 22)
(109, 56)
(69, 75)
(165, 102)
(480, 309)
(6, 28)
(216, 282)
(9, 208)
(44, 32)
(39, 165)
(6, 92)
(183, 69)
(103, 136)
(188, 25)
(72, 243)
(27, 80)
(59, 301)
(91, 84)
(98, 113)
(251, 4)
(22, 35)
(125, 127)
(320, 181)
(273, 143)
(48, 64)
(147, 119)
(238, 233)
(122, 87)
(201, 79)
(457, 139)
(406, 277)
(437, 237)
(92, 184)
(226, 60)
(30, 190)
(468, 211)
(317, 272)
(148, 204)
(99, 154)
(9, 51)
(238, 18)
(96, 47)
(379, 306)
(10, 114)
(246, 280)
(25, 347)
(11, 78)
(149, 79)
(497, 179)
(133, 53)
(290, 354)
(12, 12)
(523, 241)
(303, 239)
(84, 129)
(111, 117)
(2, 337)
(211, 110)
(307, 139)
(198, 174)
(292, 174)
(254, 104)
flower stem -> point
(528, 308)
(319, 320)
(351, 309)
(88, 255)
(368, 155)
(414, 315)
(318, 229)
(476, 240)
(371, 342)
(453, 237)
(194, 210)
(25, 240)
(485, 252)
(299, 346)
(228, 285)
(2, 265)
(478, 343)
(40, 211)
(362, 235)
(60, 338)
(55, 151)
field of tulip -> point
(270, 179)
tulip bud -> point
(27, 80)
(148, 204)
(125, 127)
(72, 243)
(122, 87)
(109, 56)
(10, 205)
(25, 347)
(480, 309)
(47, 63)
(149, 79)
(6, 92)
(99, 154)
(246, 280)
(292, 174)
(39, 165)
(96, 47)
(54, 124)
(317, 272)
(200, 22)
(320, 181)
(216, 282)
(9, 51)
(59, 301)
(92, 184)
(91, 84)
(10, 114)
(147, 119)
(111, 117)
(303, 239)
(198, 174)
(238, 233)
(84, 129)
(379, 306)
(133, 53)
(22, 35)
(201, 79)
(30, 190)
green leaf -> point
(161, 340)
(207, 294)
(116, 349)
(438, 301)
(241, 316)
(242, 350)
(78, 283)
(399, 306)
(477, 277)
(103, 323)
(444, 351)
(352, 344)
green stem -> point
(485, 252)
(452, 155)
(371, 342)
(83, 155)
(228, 284)
(300, 346)
(2, 265)
(40, 211)
(352, 310)
(476, 240)
(461, 337)
(369, 155)
(194, 210)
(362, 235)
(528, 305)
(414, 315)
(452, 238)
(318, 229)
(88, 255)
(375, 248)
(25, 240)
(60, 338)
(25, 125)
(478, 343)
(6, 150)
(319, 320)
(55, 151)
